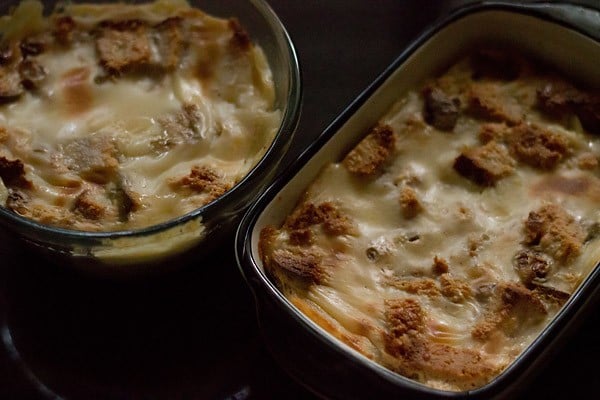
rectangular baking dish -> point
(560, 34)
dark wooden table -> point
(192, 334)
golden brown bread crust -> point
(555, 231)
(497, 131)
(417, 356)
(93, 158)
(529, 143)
(487, 101)
(240, 38)
(302, 264)
(201, 179)
(587, 161)
(511, 306)
(560, 99)
(537, 146)
(12, 173)
(64, 26)
(326, 215)
(88, 205)
(440, 266)
(123, 46)
(371, 153)
(169, 42)
(419, 286)
(410, 206)
(484, 165)
(454, 289)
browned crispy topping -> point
(12, 173)
(301, 237)
(327, 214)
(418, 356)
(486, 101)
(17, 201)
(551, 295)
(87, 205)
(334, 222)
(558, 98)
(420, 286)
(240, 38)
(441, 110)
(304, 216)
(456, 290)
(493, 131)
(4, 134)
(202, 179)
(555, 231)
(52, 215)
(484, 165)
(440, 266)
(94, 158)
(529, 143)
(125, 200)
(63, 29)
(185, 126)
(587, 161)
(515, 306)
(536, 146)
(465, 367)
(410, 206)
(302, 264)
(123, 46)
(369, 155)
(516, 295)
(169, 41)
(404, 316)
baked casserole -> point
(118, 116)
(445, 241)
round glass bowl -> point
(201, 230)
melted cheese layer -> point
(137, 113)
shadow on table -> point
(187, 335)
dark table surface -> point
(192, 333)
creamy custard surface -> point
(117, 116)
(453, 232)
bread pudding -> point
(119, 116)
(445, 241)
